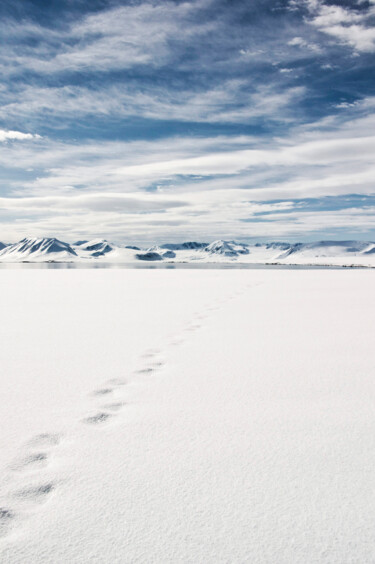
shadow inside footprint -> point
(117, 381)
(102, 392)
(98, 418)
(44, 440)
(33, 459)
(114, 406)
(37, 457)
(150, 354)
(36, 492)
(177, 341)
(6, 516)
(145, 370)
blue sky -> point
(156, 121)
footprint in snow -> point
(33, 460)
(193, 327)
(114, 406)
(44, 440)
(6, 518)
(155, 365)
(98, 418)
(117, 381)
(177, 341)
(36, 493)
(147, 370)
(28, 495)
(152, 367)
(102, 392)
(151, 353)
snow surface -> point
(187, 416)
(336, 253)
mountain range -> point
(345, 253)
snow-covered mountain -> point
(96, 247)
(227, 248)
(34, 249)
(328, 249)
(274, 245)
(149, 255)
(188, 246)
(163, 252)
(346, 253)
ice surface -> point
(187, 416)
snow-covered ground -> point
(99, 251)
(187, 416)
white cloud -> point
(16, 135)
(347, 25)
(250, 53)
(300, 42)
(357, 36)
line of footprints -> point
(109, 401)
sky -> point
(153, 121)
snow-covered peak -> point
(96, 247)
(328, 249)
(227, 248)
(164, 253)
(31, 248)
(149, 255)
(187, 246)
(275, 245)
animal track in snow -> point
(114, 406)
(29, 461)
(41, 446)
(117, 381)
(35, 493)
(175, 341)
(151, 353)
(102, 392)
(147, 370)
(6, 518)
(5, 514)
(98, 418)
(44, 440)
(194, 326)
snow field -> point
(187, 416)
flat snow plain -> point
(187, 416)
